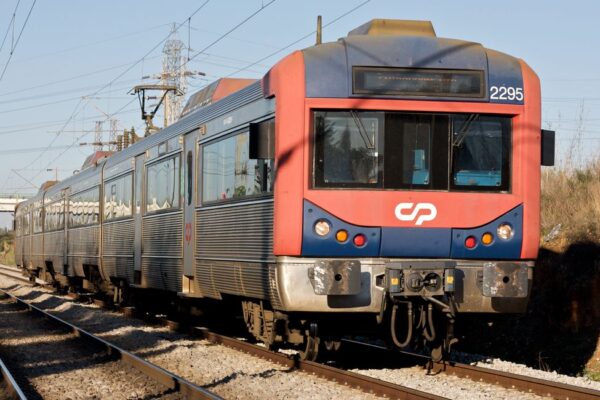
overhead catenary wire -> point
(99, 71)
(14, 46)
(223, 36)
(10, 25)
(76, 109)
(77, 139)
(301, 39)
(140, 60)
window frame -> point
(158, 160)
(507, 162)
(232, 200)
(60, 226)
(104, 202)
(507, 170)
(100, 208)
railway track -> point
(169, 383)
(390, 390)
(522, 383)
(9, 388)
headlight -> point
(505, 231)
(322, 227)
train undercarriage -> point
(416, 304)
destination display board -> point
(418, 82)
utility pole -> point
(98, 136)
(55, 172)
(112, 138)
(174, 75)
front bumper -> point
(360, 285)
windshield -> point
(395, 150)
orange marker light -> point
(341, 235)
(487, 238)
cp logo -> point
(188, 232)
(421, 211)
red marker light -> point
(360, 240)
(470, 242)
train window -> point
(162, 188)
(84, 208)
(480, 152)
(54, 216)
(347, 149)
(118, 197)
(38, 220)
(416, 151)
(395, 150)
(228, 172)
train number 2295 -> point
(506, 93)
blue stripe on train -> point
(410, 242)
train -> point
(386, 182)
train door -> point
(189, 161)
(138, 196)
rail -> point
(12, 389)
(362, 382)
(523, 383)
(505, 379)
(171, 381)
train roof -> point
(377, 43)
(401, 44)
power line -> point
(77, 139)
(301, 39)
(63, 92)
(75, 110)
(42, 125)
(223, 36)
(83, 46)
(32, 149)
(10, 24)
(70, 79)
(12, 50)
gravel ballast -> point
(235, 375)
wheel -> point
(311, 349)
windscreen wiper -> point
(361, 129)
(464, 129)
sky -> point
(74, 62)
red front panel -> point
(376, 207)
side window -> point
(37, 220)
(84, 208)
(228, 172)
(26, 218)
(162, 185)
(118, 197)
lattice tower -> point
(173, 73)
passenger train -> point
(390, 179)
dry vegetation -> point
(7, 248)
(571, 199)
(570, 255)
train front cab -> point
(414, 196)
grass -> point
(572, 199)
(7, 248)
(569, 266)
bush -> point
(571, 199)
